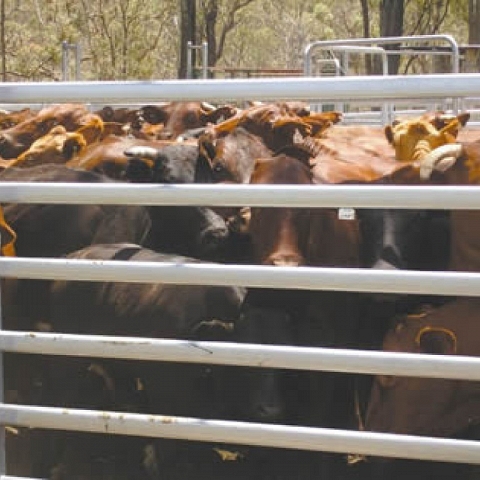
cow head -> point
(280, 235)
(258, 393)
(17, 139)
(58, 146)
(414, 139)
(230, 158)
(179, 117)
(427, 406)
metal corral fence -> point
(339, 279)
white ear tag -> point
(346, 214)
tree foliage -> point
(140, 39)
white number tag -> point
(346, 214)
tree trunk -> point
(211, 14)
(2, 41)
(366, 34)
(472, 55)
(391, 25)
(187, 34)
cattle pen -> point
(378, 88)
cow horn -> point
(440, 159)
(141, 151)
(208, 107)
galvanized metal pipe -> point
(452, 367)
(281, 436)
(257, 276)
(335, 89)
(359, 196)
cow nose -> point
(284, 260)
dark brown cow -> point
(54, 230)
(17, 139)
(427, 406)
(108, 155)
(130, 121)
(156, 311)
(178, 117)
(340, 154)
(290, 237)
(433, 407)
(122, 115)
(231, 147)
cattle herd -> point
(261, 143)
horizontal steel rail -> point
(335, 89)
(257, 276)
(359, 196)
(453, 367)
(281, 436)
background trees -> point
(143, 39)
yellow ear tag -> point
(228, 456)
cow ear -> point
(463, 118)
(389, 134)
(439, 341)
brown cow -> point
(57, 146)
(10, 119)
(231, 147)
(289, 237)
(339, 154)
(420, 406)
(178, 117)
(429, 406)
(17, 139)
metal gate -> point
(321, 359)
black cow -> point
(206, 234)
(159, 311)
(166, 311)
(54, 230)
